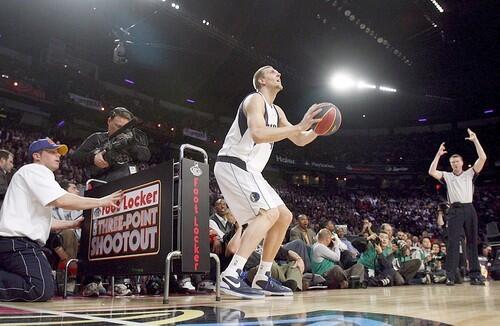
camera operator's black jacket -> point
(134, 153)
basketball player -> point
(247, 148)
(461, 214)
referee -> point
(461, 215)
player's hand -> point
(299, 263)
(472, 135)
(309, 118)
(378, 249)
(441, 150)
(112, 199)
(99, 161)
(217, 247)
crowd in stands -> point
(340, 238)
(414, 148)
(57, 81)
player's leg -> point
(247, 205)
(272, 243)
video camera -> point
(375, 241)
(443, 208)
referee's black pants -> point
(462, 217)
(25, 273)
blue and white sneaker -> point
(272, 287)
(237, 287)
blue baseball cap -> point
(46, 143)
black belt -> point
(233, 160)
(460, 205)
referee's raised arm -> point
(433, 171)
(479, 164)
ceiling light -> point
(438, 7)
(387, 89)
(342, 82)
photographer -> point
(376, 257)
(114, 154)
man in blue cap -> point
(26, 221)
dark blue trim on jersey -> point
(277, 116)
(266, 116)
(242, 120)
(233, 160)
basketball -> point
(331, 118)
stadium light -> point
(363, 85)
(342, 82)
(387, 89)
(438, 7)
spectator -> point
(71, 237)
(6, 166)
(302, 231)
(485, 259)
(325, 262)
(341, 232)
(218, 221)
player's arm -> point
(433, 171)
(301, 139)
(478, 166)
(254, 108)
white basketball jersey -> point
(239, 142)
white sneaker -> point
(207, 286)
(186, 284)
(91, 290)
(122, 289)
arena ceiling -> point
(444, 65)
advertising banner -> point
(135, 237)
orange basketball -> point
(331, 119)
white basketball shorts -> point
(245, 192)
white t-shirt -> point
(460, 187)
(24, 211)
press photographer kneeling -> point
(114, 154)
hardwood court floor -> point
(425, 305)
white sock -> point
(264, 267)
(237, 263)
